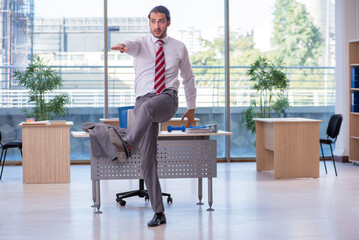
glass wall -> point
(123, 24)
(297, 35)
(68, 38)
(202, 33)
(72, 40)
(16, 39)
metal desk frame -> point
(190, 157)
(180, 155)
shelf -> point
(353, 57)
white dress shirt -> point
(143, 50)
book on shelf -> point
(355, 77)
(355, 102)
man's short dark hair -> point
(161, 9)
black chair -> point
(4, 148)
(333, 129)
(141, 192)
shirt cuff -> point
(191, 105)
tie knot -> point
(160, 42)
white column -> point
(227, 77)
(105, 57)
(346, 29)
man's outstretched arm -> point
(120, 47)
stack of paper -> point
(198, 130)
(46, 122)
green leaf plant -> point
(270, 82)
(41, 80)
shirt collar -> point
(154, 40)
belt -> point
(170, 90)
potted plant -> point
(41, 80)
(270, 82)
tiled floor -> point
(248, 205)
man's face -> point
(159, 24)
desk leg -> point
(200, 191)
(93, 193)
(210, 195)
(97, 196)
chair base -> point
(141, 192)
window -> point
(71, 39)
(266, 31)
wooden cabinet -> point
(353, 101)
(46, 153)
(289, 146)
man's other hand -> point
(120, 47)
(190, 117)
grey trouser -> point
(150, 110)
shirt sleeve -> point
(188, 80)
(134, 47)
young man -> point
(157, 62)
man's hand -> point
(190, 117)
(120, 47)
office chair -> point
(333, 129)
(141, 192)
(4, 148)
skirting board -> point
(343, 159)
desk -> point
(180, 155)
(46, 153)
(175, 122)
(289, 146)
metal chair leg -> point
(325, 165)
(331, 150)
(3, 161)
(2, 150)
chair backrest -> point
(334, 125)
(122, 115)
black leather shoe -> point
(157, 220)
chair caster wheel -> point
(118, 199)
(147, 199)
(122, 203)
(169, 200)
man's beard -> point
(161, 36)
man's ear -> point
(169, 23)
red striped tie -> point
(160, 69)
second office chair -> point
(333, 129)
